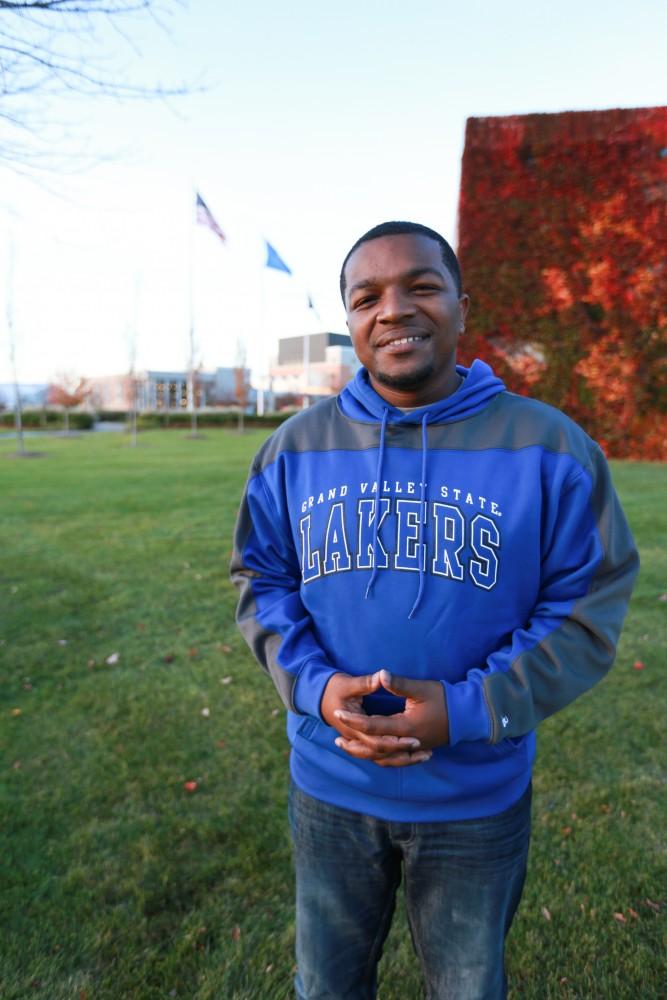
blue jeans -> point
(463, 882)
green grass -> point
(119, 883)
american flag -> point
(205, 218)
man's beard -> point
(408, 380)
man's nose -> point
(395, 305)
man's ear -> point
(464, 305)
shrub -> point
(49, 419)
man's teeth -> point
(405, 340)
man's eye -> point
(424, 288)
(365, 301)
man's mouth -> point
(398, 341)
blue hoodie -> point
(500, 564)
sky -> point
(304, 124)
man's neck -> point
(406, 402)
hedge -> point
(50, 420)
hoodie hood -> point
(360, 401)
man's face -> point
(405, 317)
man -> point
(428, 566)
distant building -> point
(33, 395)
(166, 390)
(319, 364)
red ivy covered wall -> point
(563, 248)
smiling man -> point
(405, 315)
(428, 566)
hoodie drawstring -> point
(422, 518)
(422, 510)
(378, 480)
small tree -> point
(241, 386)
(68, 391)
(132, 382)
(9, 313)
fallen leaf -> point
(141, 626)
(268, 969)
(545, 913)
(620, 918)
(16, 712)
(275, 711)
(638, 665)
(193, 652)
(168, 657)
(633, 913)
(225, 648)
(563, 979)
(221, 743)
(236, 933)
(225, 680)
(91, 664)
(112, 658)
(16, 765)
(62, 642)
(605, 808)
(654, 906)
(663, 597)
(566, 831)
(27, 686)
(206, 712)
(190, 786)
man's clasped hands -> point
(408, 737)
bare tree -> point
(241, 383)
(132, 386)
(9, 314)
(51, 49)
(194, 387)
(132, 334)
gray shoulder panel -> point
(321, 427)
(511, 423)
(508, 423)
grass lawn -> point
(123, 678)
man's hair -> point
(398, 228)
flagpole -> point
(262, 346)
(305, 402)
(191, 267)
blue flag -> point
(273, 259)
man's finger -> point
(398, 758)
(403, 759)
(362, 684)
(381, 744)
(375, 725)
(404, 687)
